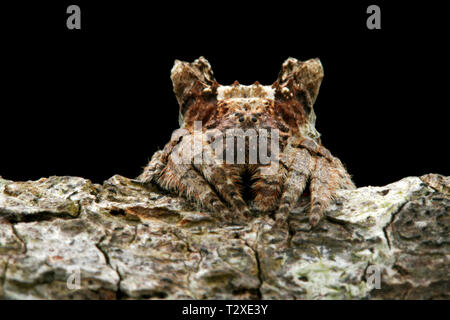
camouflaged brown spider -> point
(287, 106)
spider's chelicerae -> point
(229, 187)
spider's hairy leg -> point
(323, 184)
(159, 160)
(172, 169)
(186, 181)
(153, 168)
(327, 177)
(223, 180)
(300, 163)
(314, 147)
(268, 188)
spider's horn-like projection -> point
(302, 75)
(296, 90)
(191, 82)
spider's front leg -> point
(159, 161)
(175, 169)
(326, 175)
(300, 164)
(222, 178)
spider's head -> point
(245, 107)
(287, 103)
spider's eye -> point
(238, 114)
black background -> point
(98, 101)
(277, 309)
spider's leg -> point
(314, 147)
(327, 177)
(185, 180)
(154, 168)
(298, 174)
(322, 186)
(268, 188)
(172, 169)
(223, 179)
(159, 160)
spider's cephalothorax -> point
(282, 112)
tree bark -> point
(67, 238)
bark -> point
(122, 240)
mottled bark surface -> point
(125, 241)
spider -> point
(191, 166)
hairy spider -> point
(285, 109)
